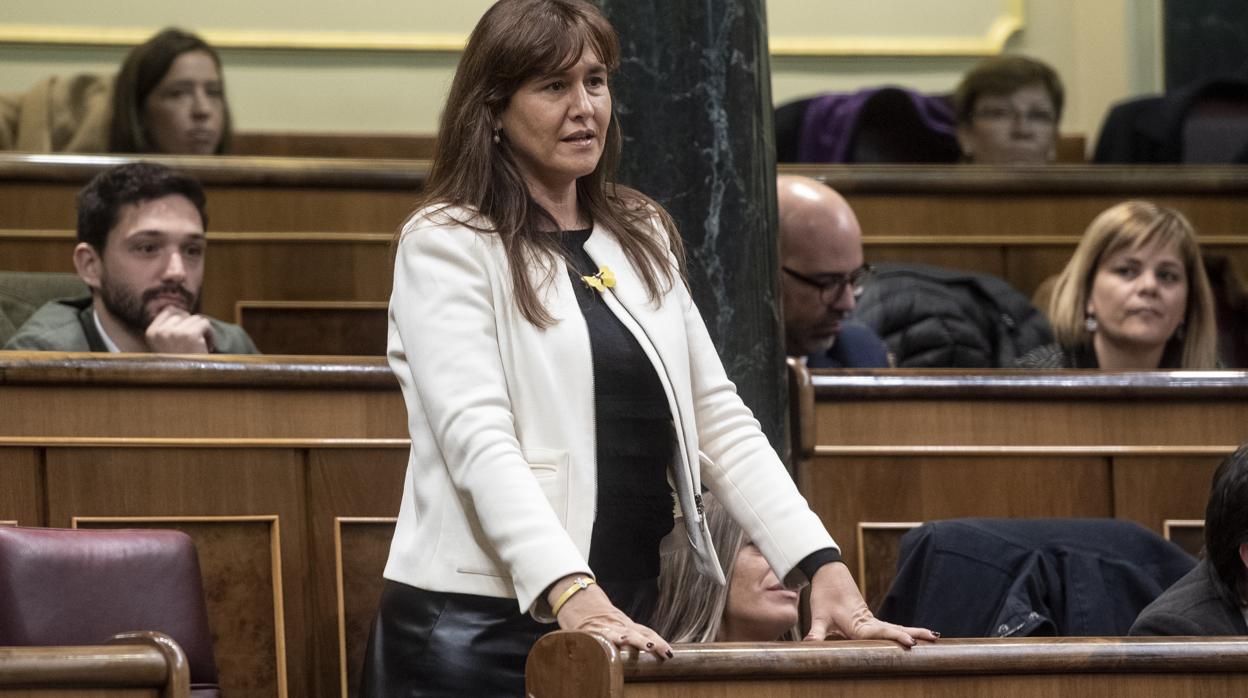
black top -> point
(634, 437)
(635, 441)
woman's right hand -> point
(591, 611)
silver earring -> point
(1091, 325)
(497, 138)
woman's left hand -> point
(838, 610)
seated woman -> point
(1133, 297)
(753, 607)
(169, 98)
(1008, 109)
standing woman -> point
(169, 98)
(559, 384)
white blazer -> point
(500, 490)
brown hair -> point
(1132, 225)
(691, 605)
(145, 66)
(1002, 76)
(515, 41)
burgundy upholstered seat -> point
(80, 587)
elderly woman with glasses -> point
(1008, 109)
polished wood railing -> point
(566, 664)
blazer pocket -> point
(550, 468)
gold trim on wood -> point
(860, 539)
(263, 40)
(1016, 240)
(341, 587)
(275, 554)
(1061, 451)
(992, 42)
(214, 442)
(298, 237)
(283, 237)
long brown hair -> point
(141, 72)
(515, 41)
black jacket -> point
(1191, 607)
(1018, 577)
(943, 318)
(1150, 129)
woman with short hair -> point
(1008, 109)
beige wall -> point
(1104, 50)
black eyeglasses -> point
(833, 285)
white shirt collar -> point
(108, 341)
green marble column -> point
(693, 97)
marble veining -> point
(694, 102)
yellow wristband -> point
(578, 584)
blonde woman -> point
(754, 606)
(1133, 297)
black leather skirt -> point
(430, 643)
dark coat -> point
(943, 318)
(1150, 129)
(1192, 606)
(1018, 577)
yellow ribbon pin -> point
(603, 280)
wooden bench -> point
(1023, 223)
(287, 473)
(567, 664)
(348, 145)
(878, 450)
(247, 194)
(247, 267)
(328, 328)
(131, 665)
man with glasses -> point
(823, 272)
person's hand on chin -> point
(175, 331)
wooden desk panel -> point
(578, 664)
(204, 492)
(353, 499)
(905, 446)
(255, 457)
(22, 479)
(1022, 224)
(244, 193)
(247, 266)
(323, 328)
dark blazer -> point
(1192, 606)
(857, 346)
